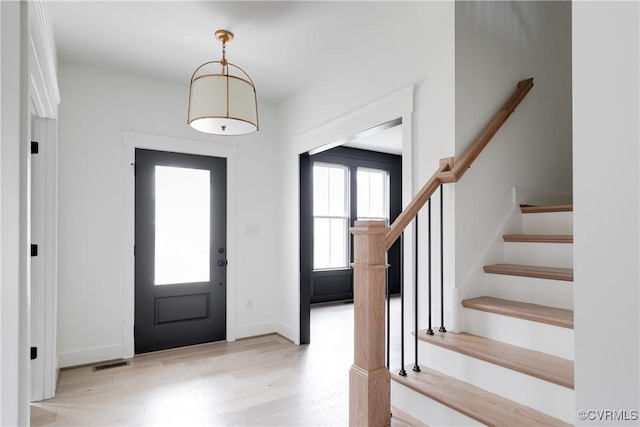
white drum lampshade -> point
(223, 102)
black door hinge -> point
(34, 250)
(34, 353)
(34, 147)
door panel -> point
(180, 265)
(37, 294)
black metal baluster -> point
(416, 367)
(442, 329)
(429, 330)
(402, 371)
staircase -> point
(514, 363)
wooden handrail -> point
(448, 171)
(412, 209)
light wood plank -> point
(522, 310)
(540, 365)
(543, 209)
(414, 206)
(538, 238)
(554, 273)
(402, 419)
(264, 380)
(487, 408)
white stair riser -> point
(553, 293)
(424, 409)
(541, 254)
(535, 336)
(549, 398)
(548, 223)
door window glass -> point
(182, 225)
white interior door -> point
(37, 268)
(43, 288)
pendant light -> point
(222, 101)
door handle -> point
(222, 263)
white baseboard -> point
(287, 332)
(90, 355)
(255, 329)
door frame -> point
(132, 139)
(332, 134)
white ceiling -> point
(282, 45)
(387, 140)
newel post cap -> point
(369, 227)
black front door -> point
(180, 252)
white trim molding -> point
(43, 80)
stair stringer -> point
(472, 284)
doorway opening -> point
(358, 178)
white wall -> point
(96, 106)
(415, 46)
(497, 45)
(606, 123)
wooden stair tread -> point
(538, 238)
(399, 418)
(554, 273)
(522, 310)
(484, 407)
(540, 365)
(542, 209)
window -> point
(330, 216)
(182, 219)
(373, 194)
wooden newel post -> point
(369, 379)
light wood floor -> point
(252, 382)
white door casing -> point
(132, 139)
